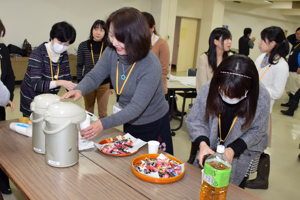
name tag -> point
(116, 108)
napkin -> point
(136, 143)
(84, 143)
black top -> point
(293, 58)
(7, 73)
(243, 45)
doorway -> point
(185, 47)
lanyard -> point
(266, 69)
(93, 54)
(296, 46)
(117, 78)
(51, 66)
(229, 129)
(153, 40)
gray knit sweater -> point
(142, 98)
(255, 137)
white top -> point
(275, 78)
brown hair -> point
(150, 20)
(2, 29)
(130, 28)
(235, 75)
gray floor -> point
(285, 166)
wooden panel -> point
(37, 180)
(19, 65)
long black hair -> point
(275, 33)
(234, 76)
(217, 33)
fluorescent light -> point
(268, 1)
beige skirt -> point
(293, 83)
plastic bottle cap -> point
(220, 149)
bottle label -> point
(214, 177)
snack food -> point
(119, 145)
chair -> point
(191, 95)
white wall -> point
(240, 16)
(33, 19)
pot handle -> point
(56, 130)
(37, 120)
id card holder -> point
(116, 108)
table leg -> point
(182, 115)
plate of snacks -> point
(120, 145)
(158, 168)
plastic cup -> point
(153, 146)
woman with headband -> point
(233, 110)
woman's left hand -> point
(93, 130)
(11, 105)
(229, 153)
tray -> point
(109, 141)
(152, 179)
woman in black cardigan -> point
(8, 79)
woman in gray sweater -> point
(233, 110)
(135, 73)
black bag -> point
(27, 48)
(13, 49)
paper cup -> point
(153, 146)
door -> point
(187, 44)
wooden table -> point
(96, 176)
(38, 180)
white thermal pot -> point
(61, 133)
(38, 107)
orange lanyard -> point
(267, 68)
(57, 66)
(93, 54)
(229, 129)
(153, 40)
(117, 78)
(296, 46)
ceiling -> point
(286, 7)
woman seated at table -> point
(48, 66)
(232, 109)
(135, 73)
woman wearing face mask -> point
(219, 45)
(48, 66)
(232, 109)
(135, 73)
(89, 52)
(273, 73)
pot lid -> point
(42, 101)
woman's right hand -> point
(204, 150)
(75, 94)
(69, 85)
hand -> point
(111, 91)
(253, 39)
(92, 131)
(11, 105)
(69, 85)
(229, 153)
(298, 70)
(75, 94)
(204, 150)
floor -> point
(285, 166)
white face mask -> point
(233, 100)
(59, 48)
